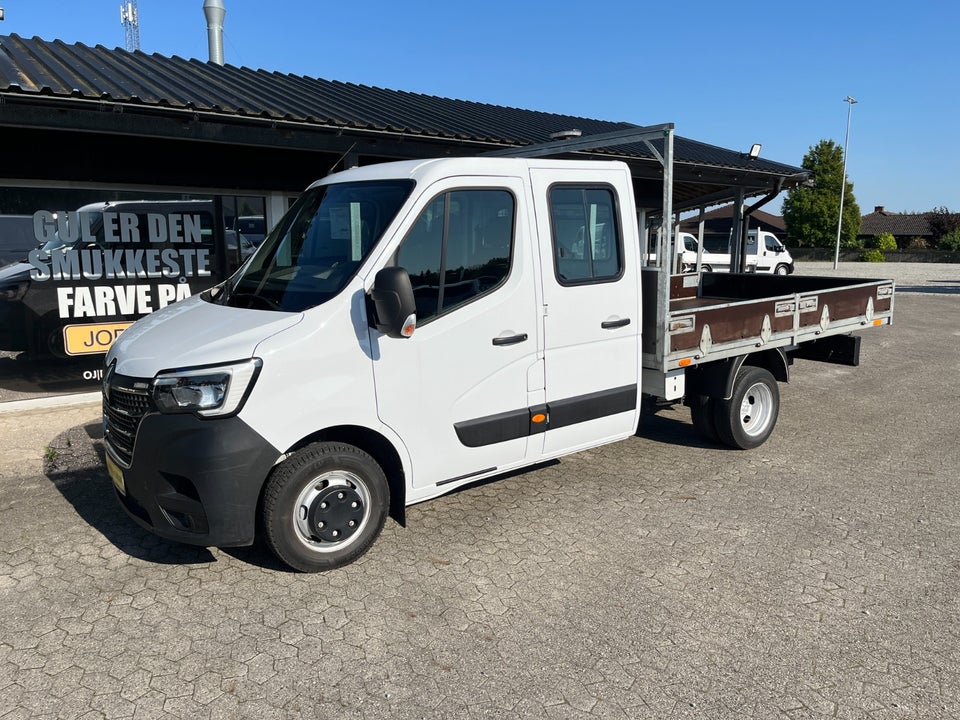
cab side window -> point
(586, 236)
(459, 249)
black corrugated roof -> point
(56, 69)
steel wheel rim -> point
(756, 409)
(310, 495)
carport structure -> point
(73, 113)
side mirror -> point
(395, 309)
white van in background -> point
(764, 254)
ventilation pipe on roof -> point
(215, 12)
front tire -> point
(782, 270)
(746, 420)
(324, 506)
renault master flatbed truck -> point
(411, 327)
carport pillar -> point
(700, 225)
(736, 235)
(665, 258)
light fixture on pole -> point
(843, 180)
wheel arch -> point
(716, 379)
(379, 448)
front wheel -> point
(782, 270)
(746, 420)
(324, 506)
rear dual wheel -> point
(748, 418)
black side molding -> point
(524, 422)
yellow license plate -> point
(116, 474)
(91, 339)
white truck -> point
(412, 327)
(764, 254)
(687, 247)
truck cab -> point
(310, 367)
(768, 254)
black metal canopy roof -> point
(54, 86)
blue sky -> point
(730, 74)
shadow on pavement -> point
(75, 466)
(666, 428)
(933, 287)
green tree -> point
(883, 241)
(950, 241)
(810, 213)
(943, 222)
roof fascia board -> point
(587, 142)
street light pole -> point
(843, 181)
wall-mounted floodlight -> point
(755, 151)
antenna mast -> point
(129, 18)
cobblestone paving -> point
(815, 577)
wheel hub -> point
(335, 513)
(756, 409)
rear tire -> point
(746, 420)
(324, 506)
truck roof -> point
(429, 170)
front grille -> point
(125, 402)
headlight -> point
(208, 391)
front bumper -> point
(196, 481)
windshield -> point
(317, 247)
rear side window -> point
(586, 234)
(459, 249)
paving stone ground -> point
(661, 577)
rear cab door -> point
(588, 248)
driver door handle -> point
(510, 339)
(610, 324)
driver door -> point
(456, 392)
